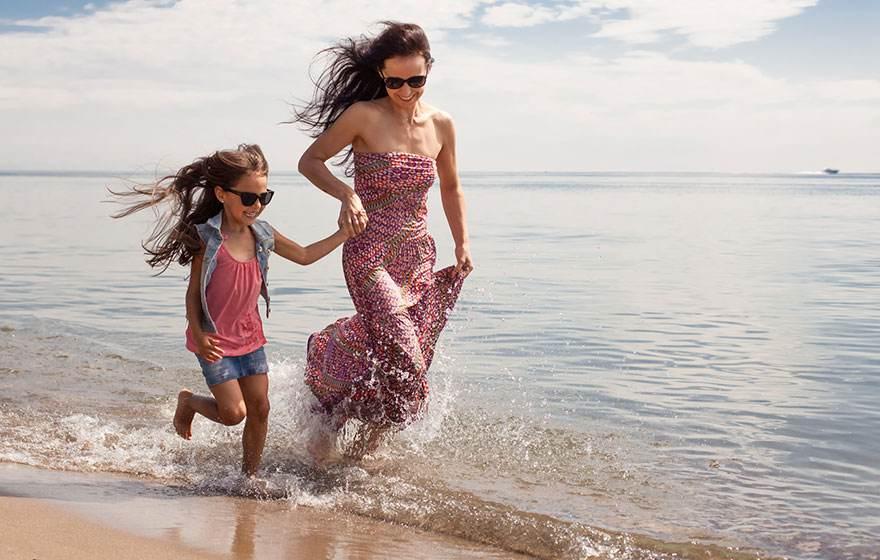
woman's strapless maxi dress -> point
(373, 366)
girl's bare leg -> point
(255, 390)
(226, 407)
(183, 416)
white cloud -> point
(147, 81)
(488, 40)
(514, 14)
(132, 82)
(649, 111)
(191, 47)
(705, 23)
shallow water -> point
(231, 527)
(685, 357)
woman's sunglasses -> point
(249, 198)
(412, 81)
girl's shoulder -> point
(210, 227)
(264, 234)
(262, 229)
(207, 233)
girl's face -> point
(252, 186)
(402, 75)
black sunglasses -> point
(412, 81)
(249, 198)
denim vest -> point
(211, 236)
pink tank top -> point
(232, 297)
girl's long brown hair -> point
(352, 74)
(190, 197)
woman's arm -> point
(312, 164)
(207, 345)
(293, 251)
(452, 195)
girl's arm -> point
(207, 345)
(452, 195)
(293, 251)
(312, 164)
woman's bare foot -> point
(183, 416)
(322, 446)
(366, 441)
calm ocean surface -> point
(687, 357)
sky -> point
(574, 85)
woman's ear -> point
(219, 193)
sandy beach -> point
(49, 515)
(37, 529)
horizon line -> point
(293, 172)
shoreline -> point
(92, 516)
(73, 515)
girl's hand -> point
(208, 348)
(344, 234)
(352, 216)
(463, 263)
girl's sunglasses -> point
(412, 81)
(249, 198)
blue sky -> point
(641, 85)
(38, 8)
(837, 38)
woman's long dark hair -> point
(352, 74)
(190, 197)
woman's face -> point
(403, 68)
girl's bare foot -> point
(254, 487)
(183, 416)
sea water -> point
(637, 360)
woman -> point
(373, 366)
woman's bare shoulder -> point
(363, 110)
(438, 116)
(443, 124)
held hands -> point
(352, 216)
(463, 263)
(208, 348)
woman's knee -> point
(232, 414)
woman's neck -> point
(407, 115)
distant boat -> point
(830, 171)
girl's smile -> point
(247, 188)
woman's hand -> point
(463, 263)
(352, 216)
(208, 348)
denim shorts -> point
(234, 367)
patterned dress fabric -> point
(373, 366)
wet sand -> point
(50, 515)
(39, 530)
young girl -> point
(212, 226)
